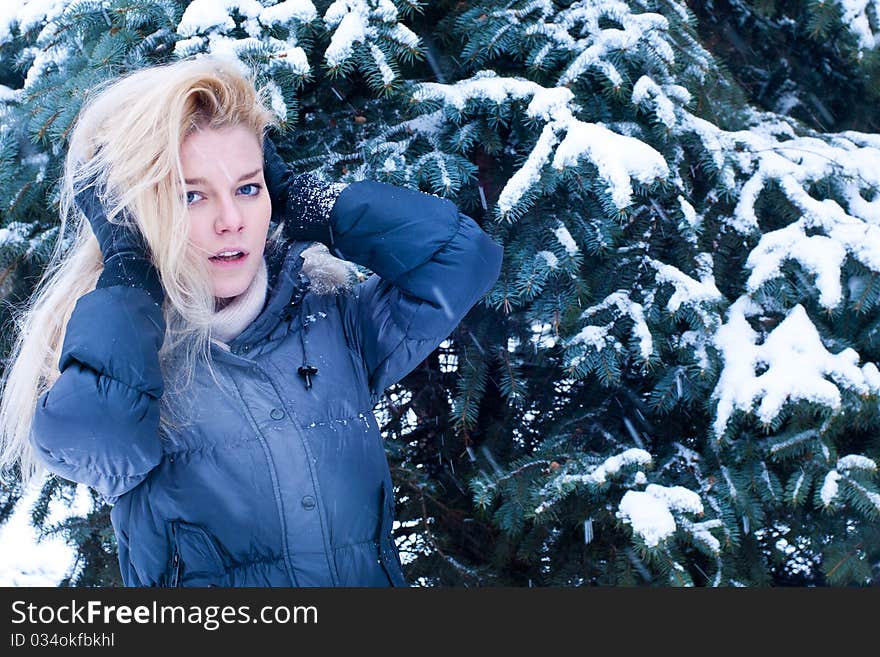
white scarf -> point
(237, 315)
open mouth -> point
(229, 256)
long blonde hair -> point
(127, 136)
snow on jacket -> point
(283, 481)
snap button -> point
(276, 413)
(308, 502)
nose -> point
(229, 216)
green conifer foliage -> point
(814, 60)
(672, 382)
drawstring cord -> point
(306, 370)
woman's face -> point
(227, 204)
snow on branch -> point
(833, 183)
(650, 513)
(864, 493)
(204, 16)
(205, 22)
(47, 51)
(639, 31)
(596, 337)
(798, 367)
(687, 290)
(563, 141)
(565, 482)
(648, 94)
(28, 15)
(598, 45)
(829, 229)
(860, 17)
(353, 21)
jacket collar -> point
(293, 268)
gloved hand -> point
(302, 201)
(127, 259)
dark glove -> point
(302, 201)
(127, 259)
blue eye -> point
(188, 201)
(255, 186)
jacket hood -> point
(293, 268)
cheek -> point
(262, 212)
(197, 233)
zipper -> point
(270, 464)
(175, 567)
(175, 557)
(387, 558)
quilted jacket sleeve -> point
(431, 264)
(99, 422)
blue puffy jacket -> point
(283, 481)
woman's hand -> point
(114, 239)
(127, 259)
(301, 201)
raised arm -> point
(99, 423)
(431, 262)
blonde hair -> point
(127, 138)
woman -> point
(214, 386)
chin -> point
(229, 291)
(226, 287)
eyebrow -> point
(197, 181)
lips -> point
(231, 254)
